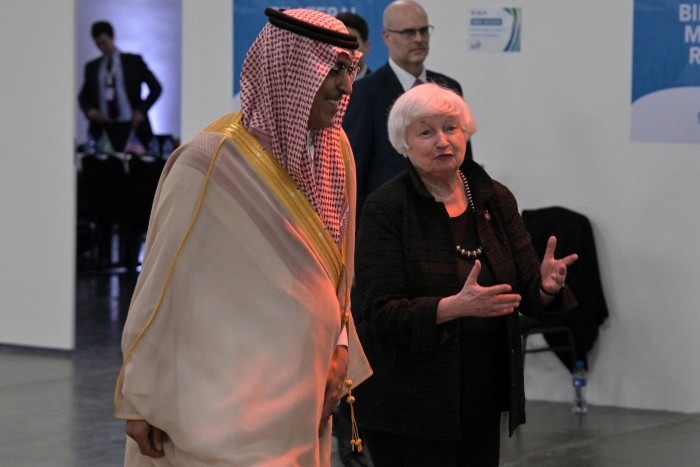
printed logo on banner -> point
(495, 29)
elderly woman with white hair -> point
(444, 265)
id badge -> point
(109, 94)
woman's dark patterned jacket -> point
(405, 263)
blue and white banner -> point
(249, 18)
(666, 71)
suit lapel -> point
(390, 81)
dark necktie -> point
(111, 91)
(417, 82)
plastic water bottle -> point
(90, 145)
(167, 148)
(580, 381)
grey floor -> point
(56, 407)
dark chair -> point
(569, 336)
(144, 173)
(552, 329)
(101, 204)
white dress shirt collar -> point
(405, 78)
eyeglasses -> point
(410, 33)
(341, 69)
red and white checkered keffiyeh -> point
(280, 77)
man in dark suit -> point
(406, 33)
(110, 96)
(357, 26)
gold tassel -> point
(355, 440)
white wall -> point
(37, 195)
(554, 126)
(207, 73)
(37, 183)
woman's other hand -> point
(477, 301)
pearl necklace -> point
(469, 254)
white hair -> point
(426, 100)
